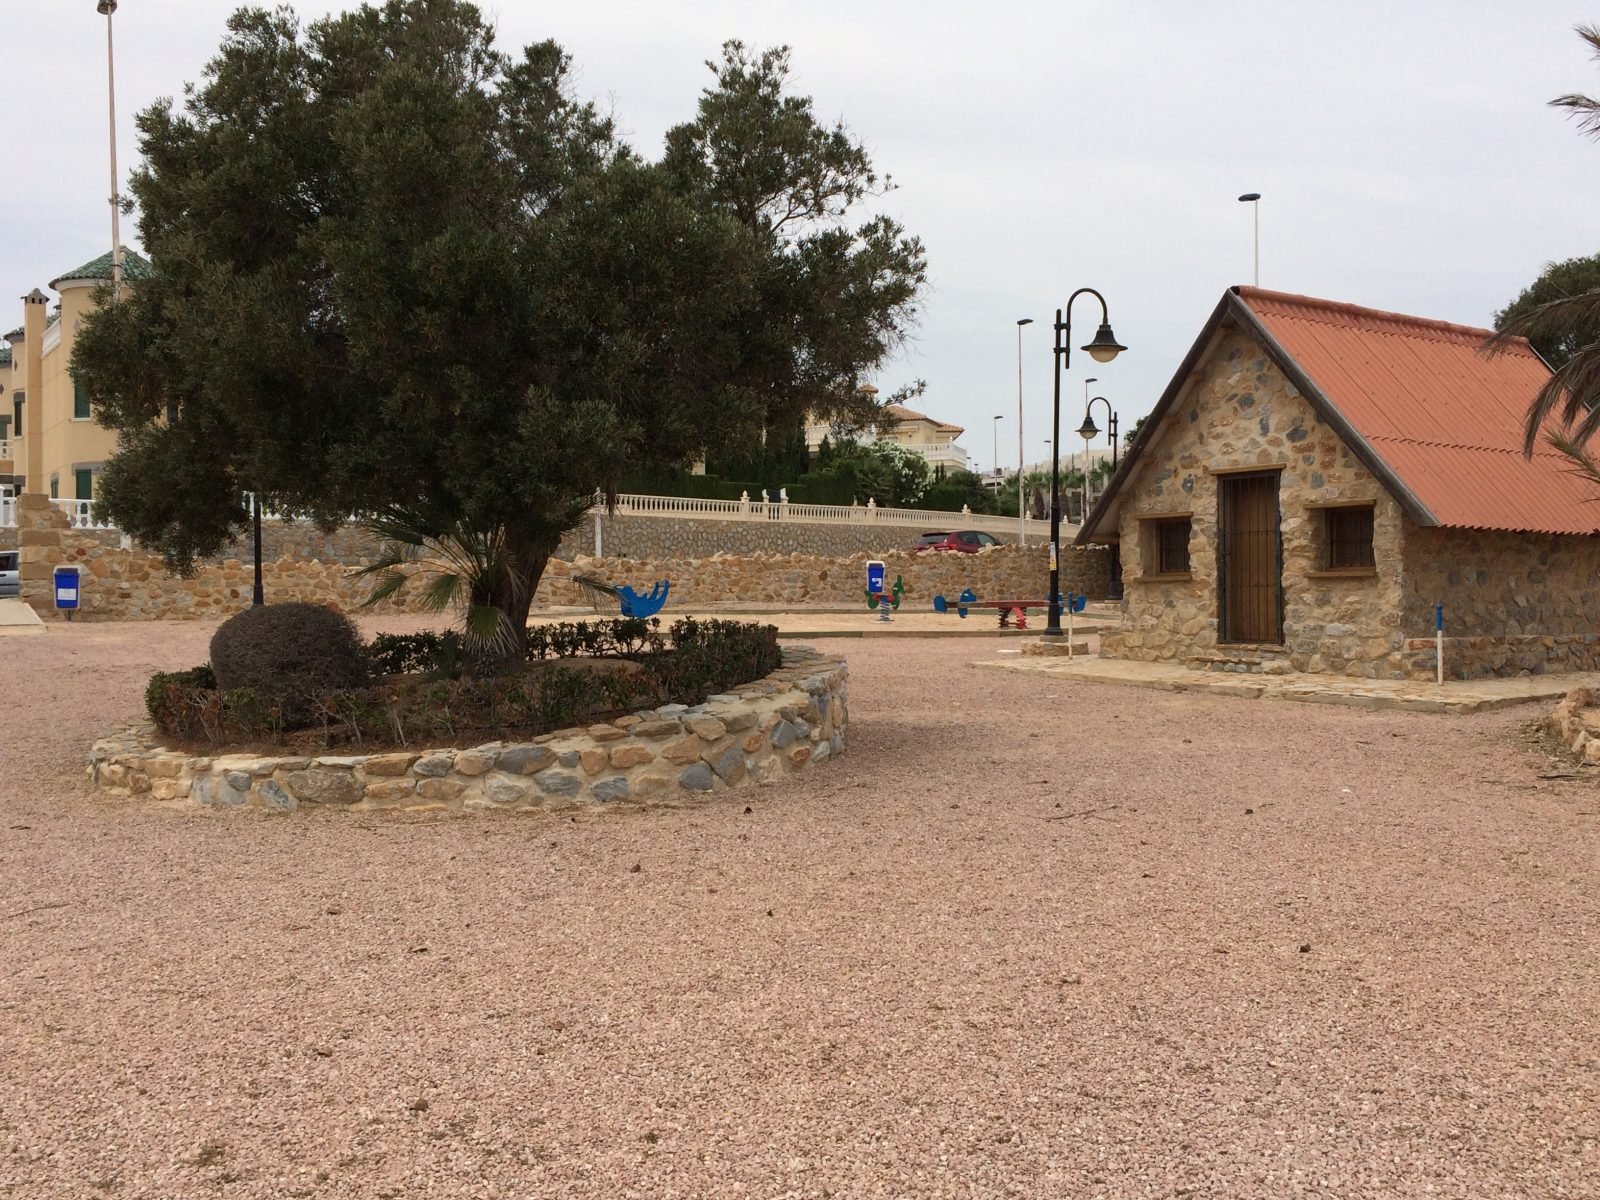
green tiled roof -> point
(134, 267)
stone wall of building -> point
(792, 720)
(126, 583)
(1513, 602)
(1241, 414)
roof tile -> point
(1446, 417)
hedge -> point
(420, 699)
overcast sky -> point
(1405, 153)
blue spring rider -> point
(648, 605)
(967, 597)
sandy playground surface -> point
(1029, 937)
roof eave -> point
(1131, 455)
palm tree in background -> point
(1572, 392)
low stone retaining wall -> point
(1000, 573)
(793, 719)
(1576, 721)
(129, 584)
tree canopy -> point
(1563, 332)
(399, 270)
(1561, 319)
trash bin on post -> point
(66, 580)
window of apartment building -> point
(1347, 538)
(55, 487)
(16, 414)
(83, 483)
(80, 401)
(1166, 545)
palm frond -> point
(597, 591)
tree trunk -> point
(514, 594)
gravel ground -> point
(1028, 938)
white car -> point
(10, 581)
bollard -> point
(1438, 641)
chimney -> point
(33, 313)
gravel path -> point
(1029, 938)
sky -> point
(1405, 154)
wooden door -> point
(1250, 559)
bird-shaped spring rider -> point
(647, 605)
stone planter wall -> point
(1576, 721)
(792, 720)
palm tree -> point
(1573, 390)
(477, 571)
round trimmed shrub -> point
(287, 653)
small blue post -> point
(1438, 642)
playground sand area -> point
(1029, 936)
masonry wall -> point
(125, 583)
(658, 537)
(1243, 413)
(1514, 602)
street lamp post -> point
(1088, 431)
(105, 8)
(998, 417)
(1253, 199)
(1022, 516)
(1102, 348)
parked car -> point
(10, 581)
(962, 541)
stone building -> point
(1318, 476)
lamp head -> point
(1105, 346)
(1249, 196)
(106, 7)
(1088, 431)
(1024, 320)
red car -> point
(962, 541)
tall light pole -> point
(998, 417)
(1022, 515)
(106, 8)
(1102, 348)
(1253, 199)
(1088, 431)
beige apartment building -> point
(49, 440)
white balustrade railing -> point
(778, 508)
(80, 514)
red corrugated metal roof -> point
(1445, 417)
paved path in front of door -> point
(1462, 696)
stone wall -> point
(1243, 413)
(792, 720)
(1513, 602)
(125, 583)
(672, 538)
(120, 582)
(999, 573)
